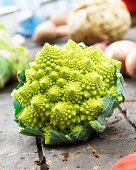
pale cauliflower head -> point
(99, 20)
(66, 89)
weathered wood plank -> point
(17, 152)
(131, 113)
(129, 106)
(130, 89)
(109, 146)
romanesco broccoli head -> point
(65, 88)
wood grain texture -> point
(129, 106)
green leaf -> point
(21, 76)
(109, 104)
(19, 85)
(82, 45)
(81, 135)
(89, 131)
(54, 137)
(120, 84)
(97, 126)
(29, 131)
(17, 107)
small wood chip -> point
(49, 163)
(96, 167)
(92, 151)
(66, 156)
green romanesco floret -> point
(107, 71)
(39, 103)
(71, 45)
(24, 94)
(45, 83)
(30, 118)
(113, 91)
(65, 87)
(65, 72)
(41, 73)
(31, 75)
(33, 65)
(84, 65)
(63, 115)
(114, 62)
(54, 75)
(75, 75)
(47, 127)
(91, 109)
(77, 128)
(35, 87)
(94, 84)
(96, 52)
(61, 82)
(72, 92)
(41, 106)
(54, 94)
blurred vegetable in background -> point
(131, 4)
(101, 20)
(119, 50)
(51, 29)
(124, 51)
(12, 57)
(126, 163)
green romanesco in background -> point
(68, 92)
(12, 57)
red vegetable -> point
(126, 163)
(131, 4)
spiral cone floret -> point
(94, 84)
(63, 115)
(91, 109)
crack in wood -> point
(42, 160)
(124, 112)
(130, 100)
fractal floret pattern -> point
(65, 88)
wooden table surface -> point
(19, 152)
